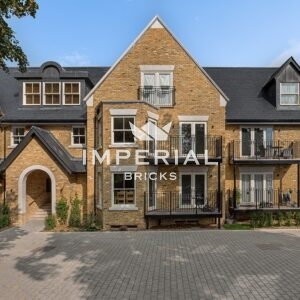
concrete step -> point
(42, 212)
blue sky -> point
(215, 32)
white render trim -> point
(223, 102)
(193, 118)
(123, 207)
(115, 169)
(157, 24)
(123, 112)
(191, 169)
(22, 187)
(255, 169)
(157, 68)
(90, 101)
(152, 115)
(156, 18)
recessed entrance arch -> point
(22, 187)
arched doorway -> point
(36, 187)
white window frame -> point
(152, 170)
(72, 136)
(192, 174)
(64, 92)
(44, 93)
(12, 135)
(112, 130)
(252, 138)
(193, 132)
(252, 184)
(122, 206)
(25, 94)
(287, 104)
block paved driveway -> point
(189, 264)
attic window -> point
(289, 93)
(32, 93)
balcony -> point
(180, 147)
(264, 199)
(269, 152)
(158, 96)
(162, 205)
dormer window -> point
(32, 93)
(289, 93)
(51, 93)
(71, 93)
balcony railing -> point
(261, 150)
(158, 96)
(263, 198)
(180, 146)
(182, 204)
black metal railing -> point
(174, 203)
(158, 96)
(263, 198)
(269, 149)
(180, 146)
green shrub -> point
(261, 219)
(62, 209)
(50, 222)
(5, 209)
(288, 217)
(280, 219)
(92, 223)
(297, 218)
(268, 219)
(75, 215)
(4, 220)
(254, 220)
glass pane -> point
(164, 79)
(289, 99)
(82, 140)
(152, 195)
(126, 122)
(200, 138)
(68, 88)
(199, 189)
(259, 142)
(246, 141)
(129, 184)
(28, 88)
(75, 88)
(289, 88)
(118, 137)
(68, 99)
(186, 138)
(36, 88)
(118, 181)
(186, 187)
(75, 99)
(55, 88)
(149, 79)
(246, 188)
(48, 88)
(118, 123)
(129, 138)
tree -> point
(10, 49)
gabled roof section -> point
(156, 22)
(290, 61)
(52, 145)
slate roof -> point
(243, 86)
(52, 146)
(14, 112)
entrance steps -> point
(42, 212)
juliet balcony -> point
(180, 148)
(268, 151)
(163, 96)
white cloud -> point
(75, 59)
(292, 50)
